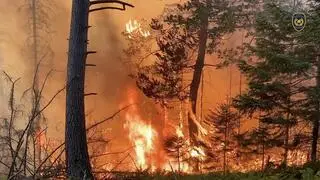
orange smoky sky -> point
(110, 78)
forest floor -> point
(307, 172)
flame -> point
(142, 136)
(197, 152)
(140, 133)
(41, 138)
(179, 131)
(133, 27)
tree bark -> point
(77, 158)
(225, 149)
(286, 146)
(315, 128)
(196, 79)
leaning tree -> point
(77, 158)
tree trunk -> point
(286, 141)
(225, 150)
(286, 146)
(196, 80)
(315, 128)
(77, 158)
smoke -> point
(12, 61)
(109, 79)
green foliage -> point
(177, 39)
(276, 80)
(292, 174)
(162, 79)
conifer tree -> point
(308, 49)
(224, 122)
(275, 78)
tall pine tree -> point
(276, 77)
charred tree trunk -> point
(77, 158)
(315, 128)
(196, 79)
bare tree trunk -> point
(36, 79)
(77, 158)
(315, 128)
(196, 79)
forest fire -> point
(140, 133)
(197, 152)
(148, 146)
(134, 27)
(179, 89)
(142, 136)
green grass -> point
(307, 172)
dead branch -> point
(45, 81)
(48, 157)
(14, 175)
(41, 132)
(92, 65)
(111, 153)
(137, 169)
(116, 166)
(55, 160)
(95, 2)
(12, 114)
(103, 8)
(89, 128)
(110, 117)
(20, 141)
(123, 8)
(91, 52)
(5, 164)
(91, 94)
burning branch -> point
(201, 129)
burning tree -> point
(198, 27)
(182, 155)
(184, 34)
